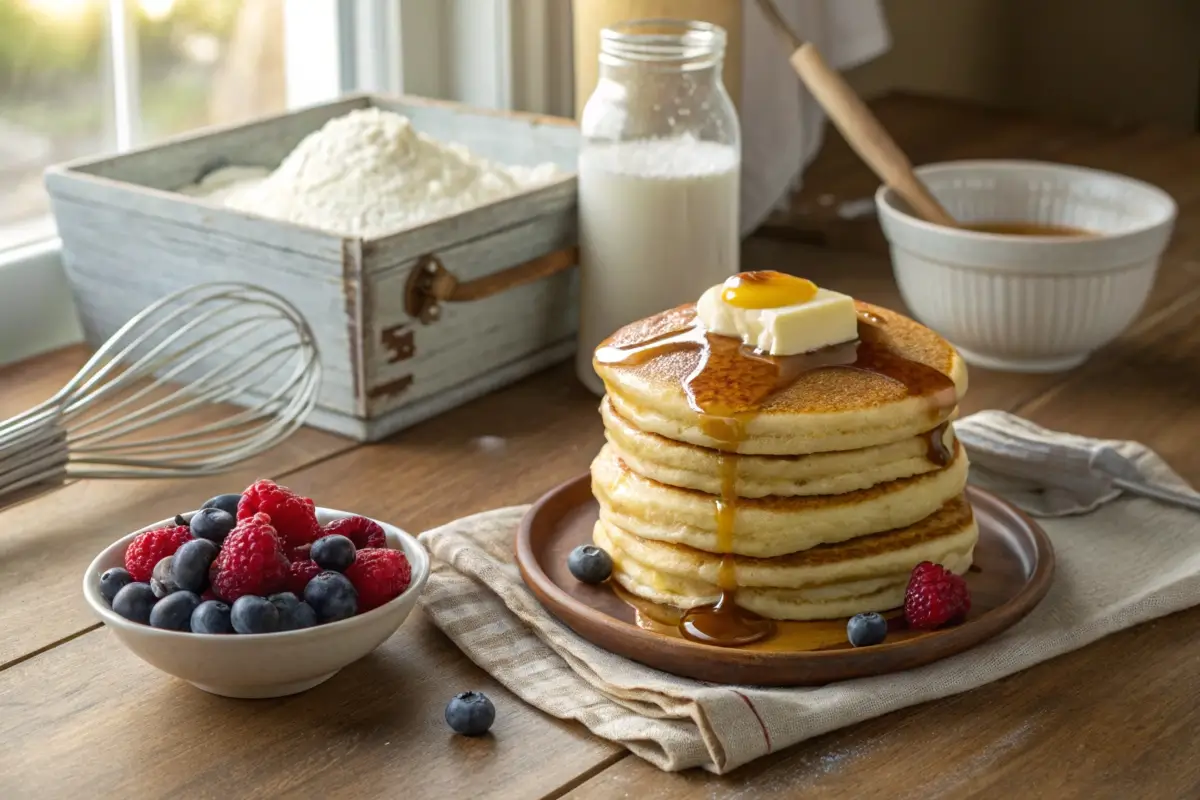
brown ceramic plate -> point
(1014, 563)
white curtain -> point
(781, 123)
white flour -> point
(368, 174)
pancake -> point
(823, 409)
(689, 466)
(770, 526)
(867, 574)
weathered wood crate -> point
(409, 324)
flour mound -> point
(369, 173)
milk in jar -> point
(658, 179)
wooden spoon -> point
(858, 125)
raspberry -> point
(379, 575)
(301, 573)
(363, 532)
(935, 596)
(148, 548)
(250, 562)
(293, 517)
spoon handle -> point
(1161, 493)
(865, 133)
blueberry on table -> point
(212, 616)
(334, 552)
(162, 581)
(864, 630)
(134, 602)
(225, 502)
(189, 565)
(470, 713)
(112, 581)
(294, 613)
(332, 596)
(174, 612)
(254, 614)
(213, 524)
(590, 564)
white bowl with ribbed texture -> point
(1028, 303)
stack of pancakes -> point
(837, 484)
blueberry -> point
(211, 616)
(162, 582)
(294, 613)
(212, 524)
(332, 596)
(174, 612)
(189, 565)
(113, 581)
(253, 614)
(864, 630)
(333, 552)
(226, 502)
(590, 564)
(134, 602)
(470, 713)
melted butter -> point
(767, 289)
(727, 388)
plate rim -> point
(954, 640)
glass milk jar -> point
(659, 170)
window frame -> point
(514, 57)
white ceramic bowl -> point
(266, 664)
(1028, 303)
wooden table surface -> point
(80, 716)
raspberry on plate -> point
(360, 530)
(301, 573)
(379, 575)
(293, 517)
(251, 561)
(935, 597)
(147, 549)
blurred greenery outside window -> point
(190, 63)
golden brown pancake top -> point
(823, 390)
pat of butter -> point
(827, 319)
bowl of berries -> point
(257, 594)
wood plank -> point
(27, 383)
(381, 718)
(89, 719)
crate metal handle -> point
(430, 284)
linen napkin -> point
(1123, 562)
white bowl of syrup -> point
(1051, 263)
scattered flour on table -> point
(369, 173)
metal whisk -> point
(196, 382)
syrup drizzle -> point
(727, 388)
(935, 445)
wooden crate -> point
(128, 239)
